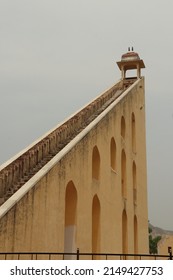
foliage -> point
(153, 241)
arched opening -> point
(70, 219)
(124, 233)
(123, 127)
(113, 153)
(131, 73)
(134, 183)
(123, 174)
(95, 225)
(135, 235)
(133, 123)
(95, 163)
(134, 175)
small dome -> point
(130, 56)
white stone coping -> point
(45, 169)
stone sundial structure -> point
(83, 184)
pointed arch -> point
(123, 127)
(133, 127)
(134, 175)
(135, 235)
(113, 153)
(70, 218)
(95, 225)
(95, 163)
(123, 174)
(124, 233)
(134, 182)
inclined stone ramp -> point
(20, 169)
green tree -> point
(153, 241)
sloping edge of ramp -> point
(45, 169)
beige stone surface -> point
(64, 202)
(164, 243)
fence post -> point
(77, 253)
(170, 252)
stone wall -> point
(77, 199)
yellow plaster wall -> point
(164, 243)
(37, 221)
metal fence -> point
(80, 256)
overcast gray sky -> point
(55, 56)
